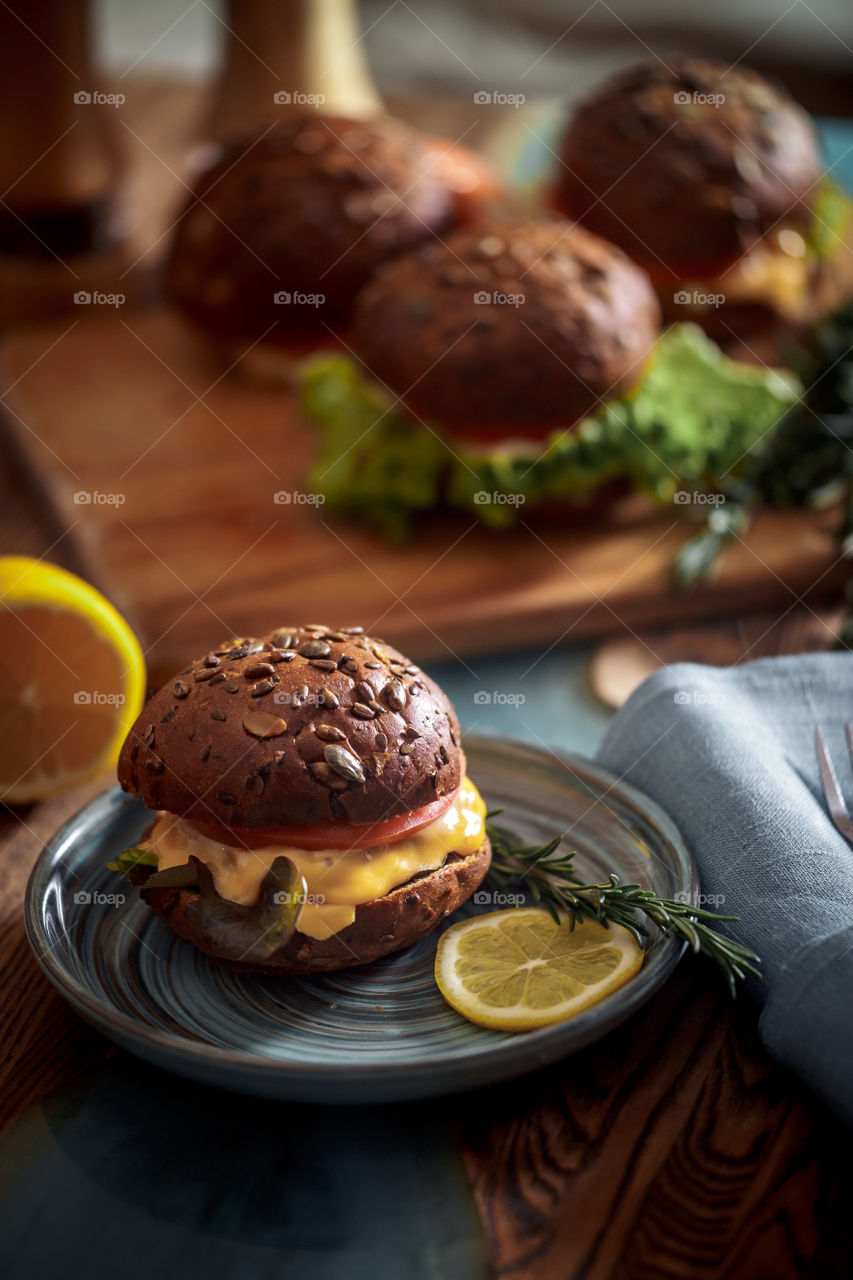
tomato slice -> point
(474, 185)
(330, 835)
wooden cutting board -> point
(182, 463)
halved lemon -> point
(519, 969)
(72, 680)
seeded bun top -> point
(689, 163)
(523, 323)
(311, 207)
(308, 724)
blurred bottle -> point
(59, 164)
(278, 57)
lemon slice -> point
(516, 970)
(72, 680)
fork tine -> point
(831, 790)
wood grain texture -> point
(42, 1042)
(621, 663)
(135, 405)
(671, 1149)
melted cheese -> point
(778, 272)
(336, 882)
(778, 277)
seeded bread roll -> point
(688, 164)
(311, 207)
(522, 324)
(307, 724)
(403, 916)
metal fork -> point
(834, 799)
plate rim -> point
(503, 1053)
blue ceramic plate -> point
(378, 1033)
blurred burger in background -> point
(520, 364)
(288, 223)
(710, 177)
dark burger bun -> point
(312, 206)
(582, 331)
(200, 749)
(682, 181)
(403, 916)
(318, 693)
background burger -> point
(710, 177)
(311, 809)
(521, 362)
(287, 225)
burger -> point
(517, 363)
(310, 808)
(710, 177)
(286, 225)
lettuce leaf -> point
(243, 933)
(248, 933)
(690, 422)
(831, 215)
(137, 864)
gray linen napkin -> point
(730, 755)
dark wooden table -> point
(673, 1148)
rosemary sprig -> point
(549, 875)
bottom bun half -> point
(403, 916)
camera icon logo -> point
(482, 97)
(282, 298)
(82, 698)
(481, 497)
(82, 898)
(682, 298)
(82, 498)
(82, 96)
(482, 698)
(282, 498)
(482, 898)
(482, 297)
(681, 98)
(82, 298)
(682, 698)
(283, 98)
(681, 498)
